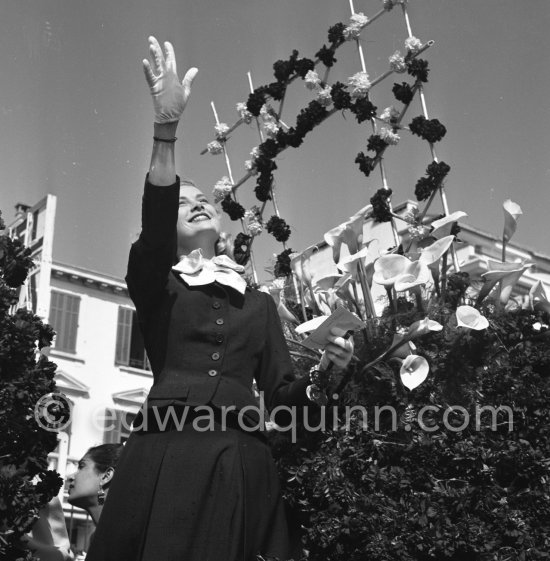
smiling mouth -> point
(200, 217)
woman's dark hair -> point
(104, 456)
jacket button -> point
(215, 356)
(212, 372)
(219, 338)
(220, 321)
(216, 305)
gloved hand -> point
(169, 95)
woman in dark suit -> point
(196, 481)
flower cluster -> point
(326, 56)
(377, 144)
(380, 201)
(397, 63)
(312, 80)
(232, 208)
(363, 109)
(360, 83)
(278, 228)
(214, 147)
(428, 129)
(221, 131)
(390, 115)
(435, 174)
(413, 44)
(340, 96)
(418, 68)
(403, 92)
(244, 113)
(241, 248)
(282, 264)
(254, 219)
(222, 189)
(366, 163)
(389, 137)
(357, 23)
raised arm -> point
(169, 100)
(152, 255)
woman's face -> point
(84, 484)
(198, 219)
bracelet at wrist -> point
(167, 140)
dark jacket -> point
(206, 344)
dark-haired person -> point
(89, 485)
(181, 493)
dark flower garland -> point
(278, 228)
(438, 171)
(381, 211)
(263, 187)
(289, 138)
(308, 118)
(326, 56)
(282, 264)
(284, 69)
(276, 90)
(366, 163)
(241, 248)
(269, 148)
(363, 109)
(428, 129)
(341, 98)
(418, 68)
(233, 208)
(303, 66)
(376, 144)
(403, 92)
(336, 34)
(264, 164)
(256, 100)
(425, 186)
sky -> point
(76, 117)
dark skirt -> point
(188, 495)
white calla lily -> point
(538, 298)
(414, 371)
(443, 226)
(507, 274)
(433, 253)
(512, 212)
(422, 327)
(416, 274)
(349, 233)
(470, 318)
(388, 268)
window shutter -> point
(64, 310)
(112, 426)
(124, 335)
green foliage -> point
(25, 375)
(402, 489)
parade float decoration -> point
(438, 445)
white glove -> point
(169, 95)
